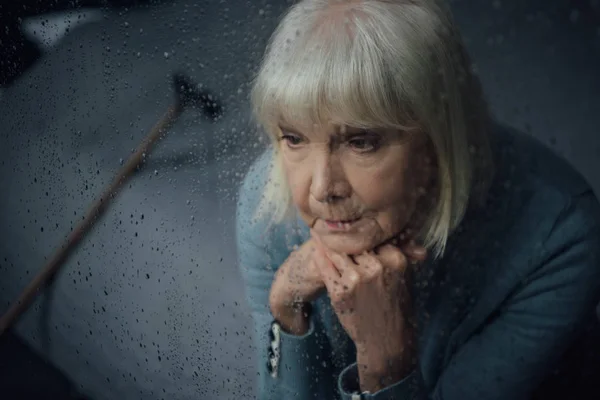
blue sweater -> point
(519, 278)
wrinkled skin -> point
(377, 177)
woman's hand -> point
(369, 295)
(297, 282)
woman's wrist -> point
(376, 377)
(293, 319)
(377, 370)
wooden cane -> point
(187, 95)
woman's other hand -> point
(369, 295)
(296, 283)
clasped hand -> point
(369, 294)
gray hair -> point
(378, 64)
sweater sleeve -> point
(301, 369)
(512, 354)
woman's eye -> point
(364, 144)
(291, 140)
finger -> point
(414, 252)
(369, 266)
(340, 261)
(318, 242)
(329, 273)
(391, 257)
(315, 235)
(348, 275)
(343, 262)
(336, 285)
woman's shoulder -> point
(535, 191)
(524, 162)
(540, 228)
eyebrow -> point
(349, 131)
(288, 128)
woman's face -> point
(356, 188)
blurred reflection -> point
(396, 240)
(18, 51)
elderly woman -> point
(396, 242)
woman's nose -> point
(329, 182)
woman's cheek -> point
(381, 189)
(299, 189)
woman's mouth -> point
(342, 225)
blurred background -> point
(151, 306)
